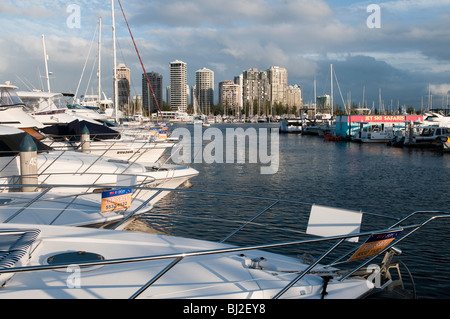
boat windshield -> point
(59, 101)
(8, 97)
(75, 107)
(37, 103)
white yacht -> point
(51, 206)
(126, 147)
(104, 106)
(375, 134)
(12, 112)
(52, 108)
(78, 168)
(43, 261)
(67, 128)
(436, 119)
(428, 136)
(291, 126)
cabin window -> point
(8, 97)
(31, 103)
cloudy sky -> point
(402, 51)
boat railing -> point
(140, 149)
(398, 226)
(129, 163)
(127, 135)
(17, 202)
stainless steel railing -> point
(338, 240)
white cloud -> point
(227, 36)
(402, 5)
(24, 10)
(407, 5)
(440, 89)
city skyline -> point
(399, 47)
(291, 95)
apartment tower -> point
(204, 89)
(255, 90)
(278, 85)
(230, 97)
(178, 86)
(156, 82)
(123, 84)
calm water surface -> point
(367, 177)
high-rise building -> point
(230, 97)
(204, 89)
(178, 86)
(123, 84)
(156, 82)
(294, 97)
(239, 80)
(278, 85)
(255, 90)
(323, 103)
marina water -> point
(367, 177)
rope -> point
(142, 64)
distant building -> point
(323, 103)
(278, 79)
(230, 97)
(239, 80)
(255, 90)
(156, 82)
(137, 100)
(294, 97)
(204, 89)
(179, 89)
(123, 83)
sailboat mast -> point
(46, 64)
(364, 97)
(116, 89)
(99, 61)
(315, 98)
(332, 93)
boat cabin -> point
(348, 126)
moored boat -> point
(291, 126)
(41, 261)
(79, 168)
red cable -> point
(142, 64)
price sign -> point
(375, 244)
(116, 200)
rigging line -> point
(142, 64)
(126, 63)
(28, 87)
(85, 63)
(340, 92)
(90, 78)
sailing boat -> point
(322, 122)
(197, 119)
(96, 102)
(51, 108)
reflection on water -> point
(371, 178)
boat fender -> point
(444, 139)
(326, 280)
